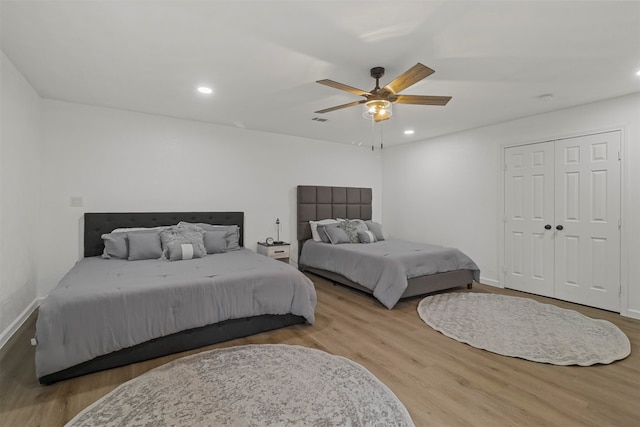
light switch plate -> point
(76, 202)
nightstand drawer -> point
(277, 251)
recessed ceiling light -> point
(205, 90)
(638, 73)
(409, 132)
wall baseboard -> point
(634, 314)
(490, 282)
(6, 335)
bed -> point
(394, 278)
(106, 313)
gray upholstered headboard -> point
(97, 224)
(318, 202)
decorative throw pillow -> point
(376, 228)
(352, 227)
(336, 235)
(182, 233)
(232, 233)
(115, 245)
(215, 241)
(314, 227)
(323, 234)
(144, 245)
(182, 251)
(367, 236)
(232, 236)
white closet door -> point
(587, 203)
(529, 199)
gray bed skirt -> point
(178, 342)
(417, 286)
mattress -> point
(384, 267)
(104, 305)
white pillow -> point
(314, 227)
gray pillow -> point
(182, 233)
(322, 233)
(352, 227)
(144, 245)
(182, 251)
(376, 228)
(367, 236)
(232, 233)
(336, 235)
(215, 241)
(115, 245)
(232, 236)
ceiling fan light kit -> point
(378, 102)
(377, 109)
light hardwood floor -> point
(441, 382)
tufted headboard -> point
(97, 224)
(317, 202)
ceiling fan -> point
(378, 102)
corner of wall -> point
(6, 335)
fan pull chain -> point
(373, 134)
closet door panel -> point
(528, 209)
(587, 200)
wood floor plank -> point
(441, 381)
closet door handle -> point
(547, 227)
(559, 227)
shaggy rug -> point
(252, 385)
(524, 328)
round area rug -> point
(524, 328)
(252, 385)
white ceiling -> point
(262, 58)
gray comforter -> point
(104, 305)
(384, 267)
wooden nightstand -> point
(280, 251)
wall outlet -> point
(76, 202)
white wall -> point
(20, 145)
(447, 190)
(124, 161)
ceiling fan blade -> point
(344, 87)
(339, 107)
(422, 99)
(411, 76)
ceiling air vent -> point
(318, 119)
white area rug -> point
(524, 328)
(253, 385)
